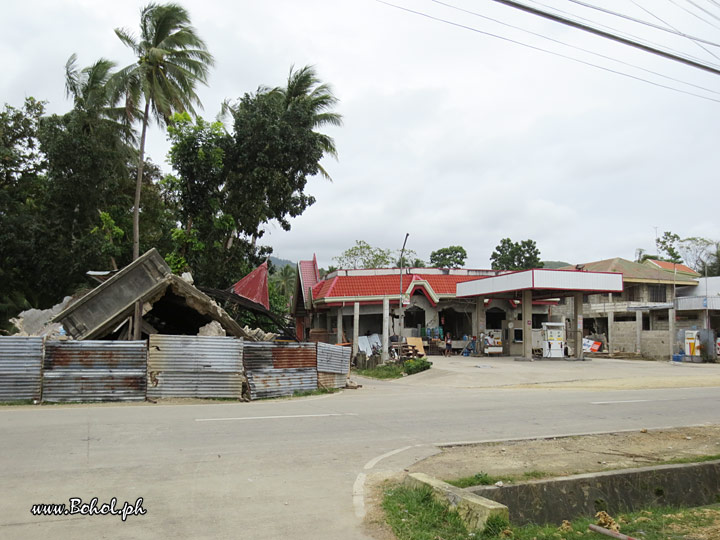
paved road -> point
(287, 468)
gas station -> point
(526, 286)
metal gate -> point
(195, 366)
(280, 369)
(94, 371)
(20, 368)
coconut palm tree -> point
(304, 88)
(171, 60)
(95, 93)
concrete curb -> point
(473, 509)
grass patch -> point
(484, 479)
(690, 459)
(385, 371)
(15, 403)
(396, 370)
(316, 392)
(413, 514)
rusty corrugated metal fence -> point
(94, 371)
(20, 368)
(170, 366)
(333, 365)
(280, 369)
(195, 366)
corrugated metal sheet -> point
(333, 358)
(269, 354)
(266, 383)
(331, 380)
(195, 366)
(280, 369)
(20, 368)
(94, 371)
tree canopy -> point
(448, 257)
(509, 255)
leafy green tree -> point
(284, 280)
(171, 60)
(363, 255)
(509, 255)
(408, 259)
(667, 245)
(276, 147)
(22, 167)
(448, 257)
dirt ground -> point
(572, 455)
(555, 456)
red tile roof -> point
(309, 275)
(350, 286)
(665, 265)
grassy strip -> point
(691, 459)
(414, 515)
(396, 370)
(317, 392)
(484, 479)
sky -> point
(453, 132)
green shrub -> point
(416, 365)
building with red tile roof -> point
(429, 300)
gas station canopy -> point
(543, 283)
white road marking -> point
(623, 401)
(359, 495)
(273, 417)
(374, 461)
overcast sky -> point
(451, 135)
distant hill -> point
(554, 264)
(279, 263)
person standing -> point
(448, 344)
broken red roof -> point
(254, 286)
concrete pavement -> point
(283, 468)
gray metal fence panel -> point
(20, 368)
(266, 383)
(195, 366)
(94, 371)
(333, 358)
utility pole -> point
(402, 317)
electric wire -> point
(490, 34)
(575, 47)
(693, 14)
(626, 35)
(671, 26)
(668, 28)
(704, 10)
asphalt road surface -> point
(296, 468)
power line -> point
(490, 34)
(704, 10)
(671, 29)
(693, 14)
(608, 35)
(598, 24)
(671, 26)
(573, 46)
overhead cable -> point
(574, 46)
(490, 34)
(608, 35)
(667, 28)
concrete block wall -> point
(623, 336)
(655, 344)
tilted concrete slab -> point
(473, 509)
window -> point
(657, 293)
(632, 293)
